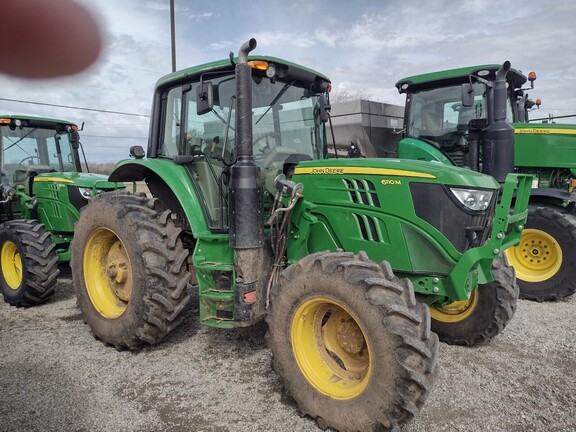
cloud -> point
(200, 16)
(271, 39)
(362, 46)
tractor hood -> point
(86, 180)
(391, 171)
(550, 145)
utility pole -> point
(172, 35)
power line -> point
(74, 107)
(115, 137)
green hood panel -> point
(87, 180)
(390, 171)
(551, 145)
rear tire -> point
(481, 318)
(28, 263)
(129, 270)
(351, 344)
(545, 259)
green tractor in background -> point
(42, 191)
(341, 257)
(446, 117)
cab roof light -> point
(258, 64)
(532, 78)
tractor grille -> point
(436, 205)
(368, 227)
(52, 190)
(362, 191)
(56, 210)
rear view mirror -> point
(74, 138)
(467, 95)
(204, 98)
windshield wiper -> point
(276, 99)
(15, 143)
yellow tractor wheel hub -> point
(11, 263)
(537, 258)
(107, 273)
(330, 348)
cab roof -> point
(457, 76)
(34, 118)
(286, 69)
(16, 120)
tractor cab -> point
(41, 175)
(33, 146)
(448, 112)
(196, 113)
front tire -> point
(28, 263)
(545, 259)
(484, 315)
(351, 344)
(129, 270)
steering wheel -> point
(265, 146)
(29, 158)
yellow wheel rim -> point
(537, 258)
(11, 265)
(455, 311)
(107, 273)
(331, 348)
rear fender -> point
(170, 183)
(410, 148)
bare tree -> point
(344, 95)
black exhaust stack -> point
(498, 140)
(246, 229)
(245, 204)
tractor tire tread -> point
(163, 271)
(406, 322)
(39, 260)
(565, 286)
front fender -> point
(556, 195)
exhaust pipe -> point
(245, 205)
(249, 45)
(500, 93)
(244, 103)
(498, 139)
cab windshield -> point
(30, 149)
(438, 114)
(285, 123)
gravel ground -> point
(55, 377)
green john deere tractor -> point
(41, 193)
(448, 117)
(341, 257)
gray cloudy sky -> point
(363, 46)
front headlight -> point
(87, 192)
(473, 199)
